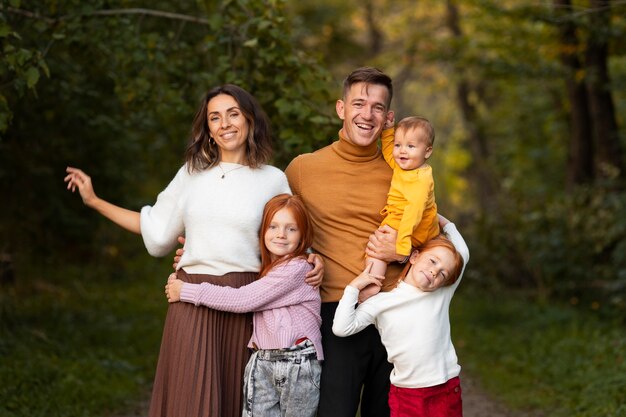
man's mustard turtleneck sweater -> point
(344, 187)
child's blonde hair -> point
(418, 122)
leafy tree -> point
(124, 83)
(498, 78)
(21, 67)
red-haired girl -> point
(414, 326)
(282, 376)
(215, 201)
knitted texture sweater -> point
(285, 307)
(220, 217)
(344, 187)
(414, 326)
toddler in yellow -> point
(411, 209)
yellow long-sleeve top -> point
(411, 207)
(343, 186)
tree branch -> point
(112, 12)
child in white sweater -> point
(413, 321)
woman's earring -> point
(211, 141)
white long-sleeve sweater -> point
(414, 326)
(219, 217)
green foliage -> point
(20, 68)
(116, 93)
(550, 360)
(571, 246)
(120, 98)
(255, 51)
(326, 27)
(80, 341)
(538, 234)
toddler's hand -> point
(172, 288)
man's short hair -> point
(368, 75)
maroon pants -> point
(442, 400)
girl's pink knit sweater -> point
(285, 307)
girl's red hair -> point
(441, 241)
(297, 209)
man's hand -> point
(179, 252)
(314, 276)
(382, 245)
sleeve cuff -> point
(351, 292)
(189, 293)
(449, 227)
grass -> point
(555, 360)
(84, 342)
(80, 342)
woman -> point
(216, 199)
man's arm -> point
(293, 175)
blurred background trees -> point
(527, 100)
(113, 88)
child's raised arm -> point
(386, 140)
(349, 320)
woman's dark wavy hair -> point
(201, 154)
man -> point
(344, 187)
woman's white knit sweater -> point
(219, 217)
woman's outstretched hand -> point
(76, 178)
(172, 288)
(128, 219)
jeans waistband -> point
(302, 350)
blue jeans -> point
(282, 382)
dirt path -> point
(476, 403)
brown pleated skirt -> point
(203, 356)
